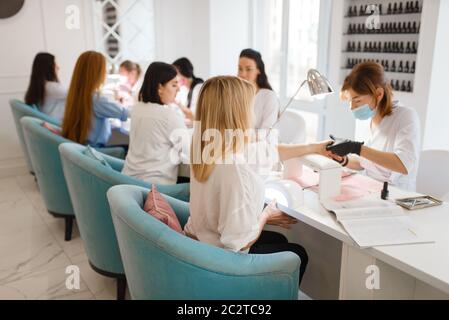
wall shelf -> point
(355, 33)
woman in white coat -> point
(391, 151)
(266, 104)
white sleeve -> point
(179, 137)
(56, 91)
(270, 110)
(238, 222)
(407, 143)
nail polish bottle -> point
(348, 47)
(414, 29)
(365, 47)
(395, 8)
(407, 67)
(407, 7)
(379, 47)
(414, 48)
(417, 8)
(401, 49)
(350, 11)
(394, 29)
(393, 66)
(380, 9)
(409, 28)
(409, 87)
(408, 49)
(401, 8)
(359, 47)
(362, 11)
(392, 84)
(413, 68)
(401, 67)
(397, 86)
(354, 10)
(403, 86)
(389, 9)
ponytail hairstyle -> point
(87, 78)
(262, 78)
(43, 70)
(365, 79)
(185, 68)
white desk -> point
(406, 271)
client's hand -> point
(277, 217)
(321, 148)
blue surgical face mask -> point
(363, 113)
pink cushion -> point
(54, 130)
(158, 207)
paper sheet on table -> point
(373, 232)
(352, 186)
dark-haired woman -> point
(391, 151)
(154, 152)
(193, 84)
(44, 89)
(266, 104)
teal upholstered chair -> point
(19, 110)
(163, 264)
(42, 146)
(88, 180)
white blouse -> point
(54, 100)
(266, 109)
(155, 150)
(225, 210)
(398, 133)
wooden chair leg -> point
(68, 228)
(121, 288)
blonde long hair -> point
(88, 76)
(225, 103)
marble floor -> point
(33, 254)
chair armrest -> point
(117, 152)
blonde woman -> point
(86, 111)
(227, 200)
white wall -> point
(39, 26)
(229, 34)
(437, 122)
(182, 30)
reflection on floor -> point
(34, 255)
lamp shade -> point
(318, 84)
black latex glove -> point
(344, 147)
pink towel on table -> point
(353, 186)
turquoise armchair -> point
(163, 264)
(88, 181)
(42, 146)
(19, 110)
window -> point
(292, 37)
(124, 30)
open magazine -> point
(373, 222)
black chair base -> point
(68, 224)
(121, 280)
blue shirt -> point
(101, 128)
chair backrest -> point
(292, 127)
(87, 182)
(42, 147)
(163, 264)
(433, 173)
(19, 110)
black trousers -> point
(272, 242)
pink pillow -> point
(54, 130)
(158, 207)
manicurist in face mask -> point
(390, 153)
